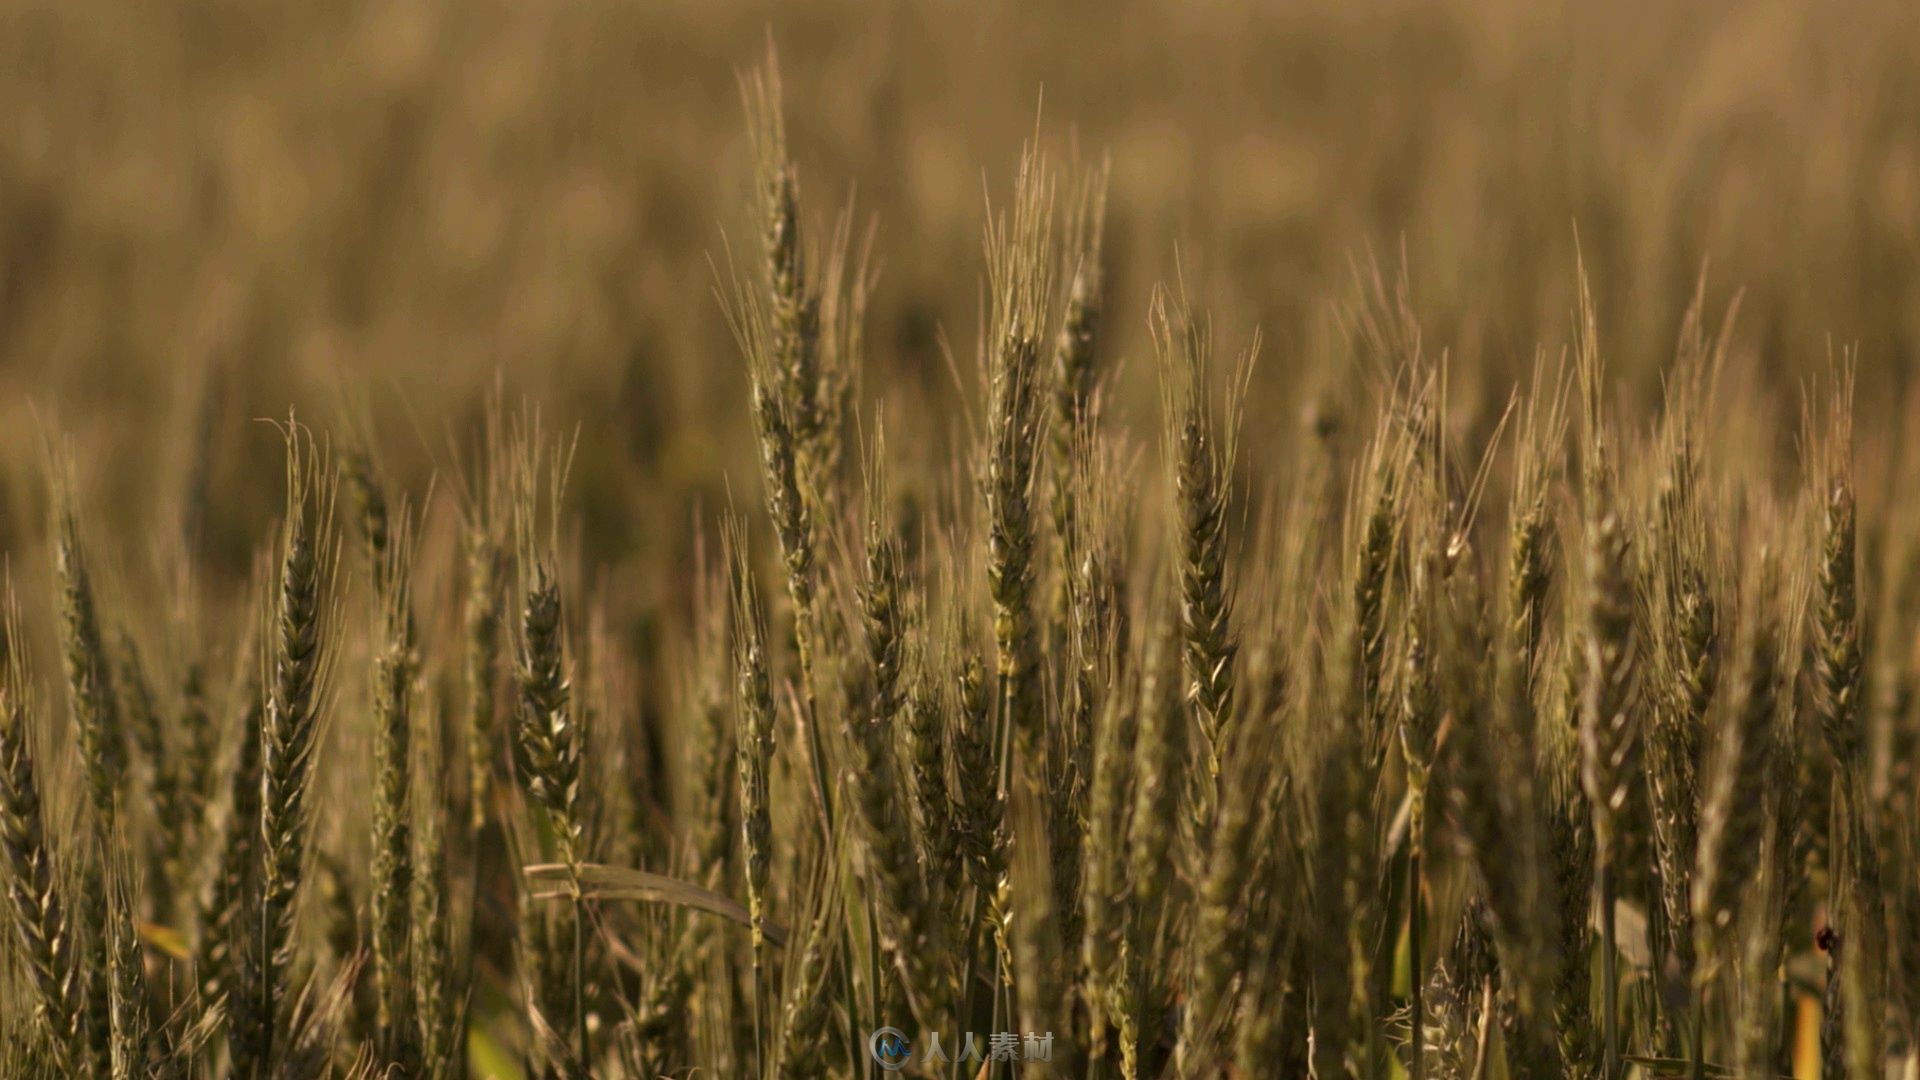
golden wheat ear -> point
(38, 907)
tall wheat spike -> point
(1734, 814)
(754, 750)
(1019, 268)
(394, 673)
(1109, 809)
(1201, 447)
(301, 665)
(918, 942)
(1151, 834)
(1611, 719)
(38, 911)
(96, 707)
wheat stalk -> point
(395, 667)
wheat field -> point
(831, 540)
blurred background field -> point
(212, 208)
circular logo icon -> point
(890, 1048)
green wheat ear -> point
(101, 735)
(302, 660)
